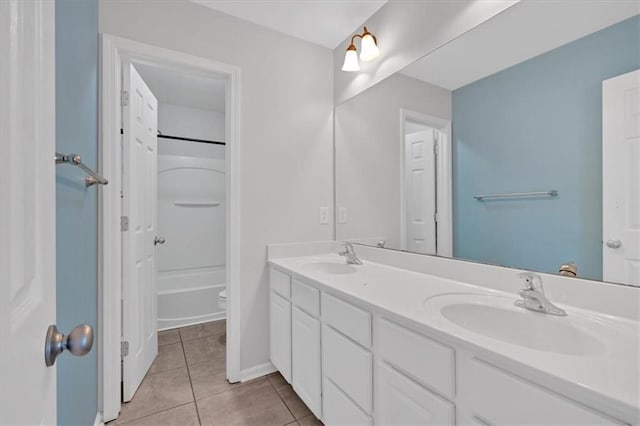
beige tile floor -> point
(186, 385)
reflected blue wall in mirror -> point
(533, 127)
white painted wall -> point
(406, 31)
(286, 133)
(178, 120)
(369, 153)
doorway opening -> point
(169, 219)
(425, 184)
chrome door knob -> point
(158, 240)
(78, 342)
(614, 244)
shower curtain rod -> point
(179, 138)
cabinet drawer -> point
(348, 319)
(349, 366)
(498, 397)
(425, 360)
(280, 282)
(306, 297)
(338, 409)
(400, 401)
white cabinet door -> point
(305, 352)
(401, 401)
(280, 324)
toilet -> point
(222, 299)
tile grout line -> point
(193, 394)
(151, 414)
(295, 420)
(200, 337)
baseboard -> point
(257, 371)
(98, 421)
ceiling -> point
(181, 87)
(323, 22)
(523, 31)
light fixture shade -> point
(351, 60)
(369, 48)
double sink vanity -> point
(511, 148)
(384, 343)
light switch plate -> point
(342, 215)
(324, 215)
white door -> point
(140, 193)
(27, 211)
(621, 178)
(420, 191)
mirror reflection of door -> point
(419, 192)
(621, 179)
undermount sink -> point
(331, 268)
(496, 317)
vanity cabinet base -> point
(356, 365)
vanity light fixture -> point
(369, 47)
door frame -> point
(112, 51)
(444, 192)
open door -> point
(27, 211)
(139, 196)
(621, 178)
(420, 191)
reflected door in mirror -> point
(420, 191)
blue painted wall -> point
(76, 206)
(538, 126)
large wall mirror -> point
(516, 144)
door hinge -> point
(435, 147)
(124, 98)
(435, 217)
(124, 348)
(124, 223)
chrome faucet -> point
(350, 254)
(533, 297)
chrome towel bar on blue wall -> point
(75, 160)
(482, 197)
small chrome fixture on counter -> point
(482, 197)
(350, 254)
(75, 160)
(533, 297)
(369, 51)
(568, 270)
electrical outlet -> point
(342, 215)
(324, 215)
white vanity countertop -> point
(609, 375)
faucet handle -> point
(532, 281)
